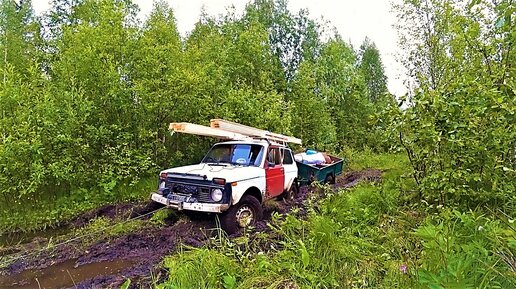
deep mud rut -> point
(109, 262)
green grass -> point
(106, 228)
(396, 164)
(51, 211)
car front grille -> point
(200, 193)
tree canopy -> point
(459, 128)
(88, 90)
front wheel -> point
(244, 214)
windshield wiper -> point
(239, 164)
(217, 164)
(212, 161)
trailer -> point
(323, 173)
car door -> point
(289, 166)
(274, 173)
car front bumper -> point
(179, 205)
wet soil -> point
(136, 255)
(9, 241)
(121, 211)
(351, 179)
(63, 274)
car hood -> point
(229, 172)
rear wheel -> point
(244, 214)
(292, 191)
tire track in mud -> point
(146, 248)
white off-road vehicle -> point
(235, 177)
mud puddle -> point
(63, 275)
(144, 248)
(351, 179)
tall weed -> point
(466, 250)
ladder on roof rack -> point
(230, 131)
(252, 132)
(190, 128)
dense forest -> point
(87, 91)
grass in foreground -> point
(366, 237)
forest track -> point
(135, 255)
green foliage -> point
(367, 158)
(330, 105)
(160, 217)
(156, 73)
(105, 228)
(19, 36)
(466, 250)
(311, 120)
(372, 69)
(45, 211)
(87, 93)
(343, 89)
(293, 38)
(126, 284)
(202, 268)
(459, 128)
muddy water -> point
(62, 275)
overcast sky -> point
(354, 19)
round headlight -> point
(162, 185)
(216, 195)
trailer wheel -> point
(244, 214)
(311, 179)
(329, 179)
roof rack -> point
(228, 130)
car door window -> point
(287, 157)
(274, 156)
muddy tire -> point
(246, 213)
(311, 179)
(291, 193)
(330, 179)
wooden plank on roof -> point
(251, 131)
(195, 129)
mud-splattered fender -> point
(256, 184)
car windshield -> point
(236, 154)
